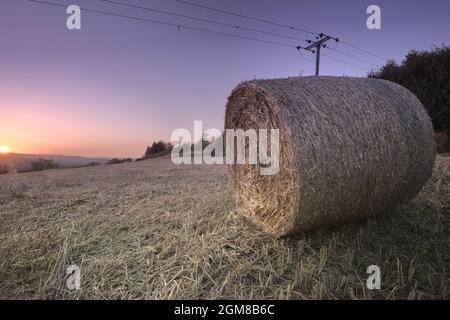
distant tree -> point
(148, 152)
(427, 75)
(43, 164)
(205, 142)
(219, 138)
(93, 164)
(113, 161)
(157, 149)
(3, 169)
(118, 161)
(443, 142)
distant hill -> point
(14, 162)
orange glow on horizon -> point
(26, 127)
(5, 149)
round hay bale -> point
(349, 148)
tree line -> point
(427, 75)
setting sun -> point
(5, 149)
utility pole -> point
(316, 46)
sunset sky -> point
(117, 84)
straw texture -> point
(349, 148)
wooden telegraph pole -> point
(315, 47)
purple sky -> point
(113, 87)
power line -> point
(178, 26)
(351, 56)
(363, 50)
(234, 26)
(343, 61)
(273, 23)
(244, 16)
(316, 46)
(307, 59)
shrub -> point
(43, 164)
(156, 147)
(118, 161)
(427, 75)
(3, 169)
(93, 164)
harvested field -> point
(153, 230)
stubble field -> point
(153, 230)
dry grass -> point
(152, 230)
